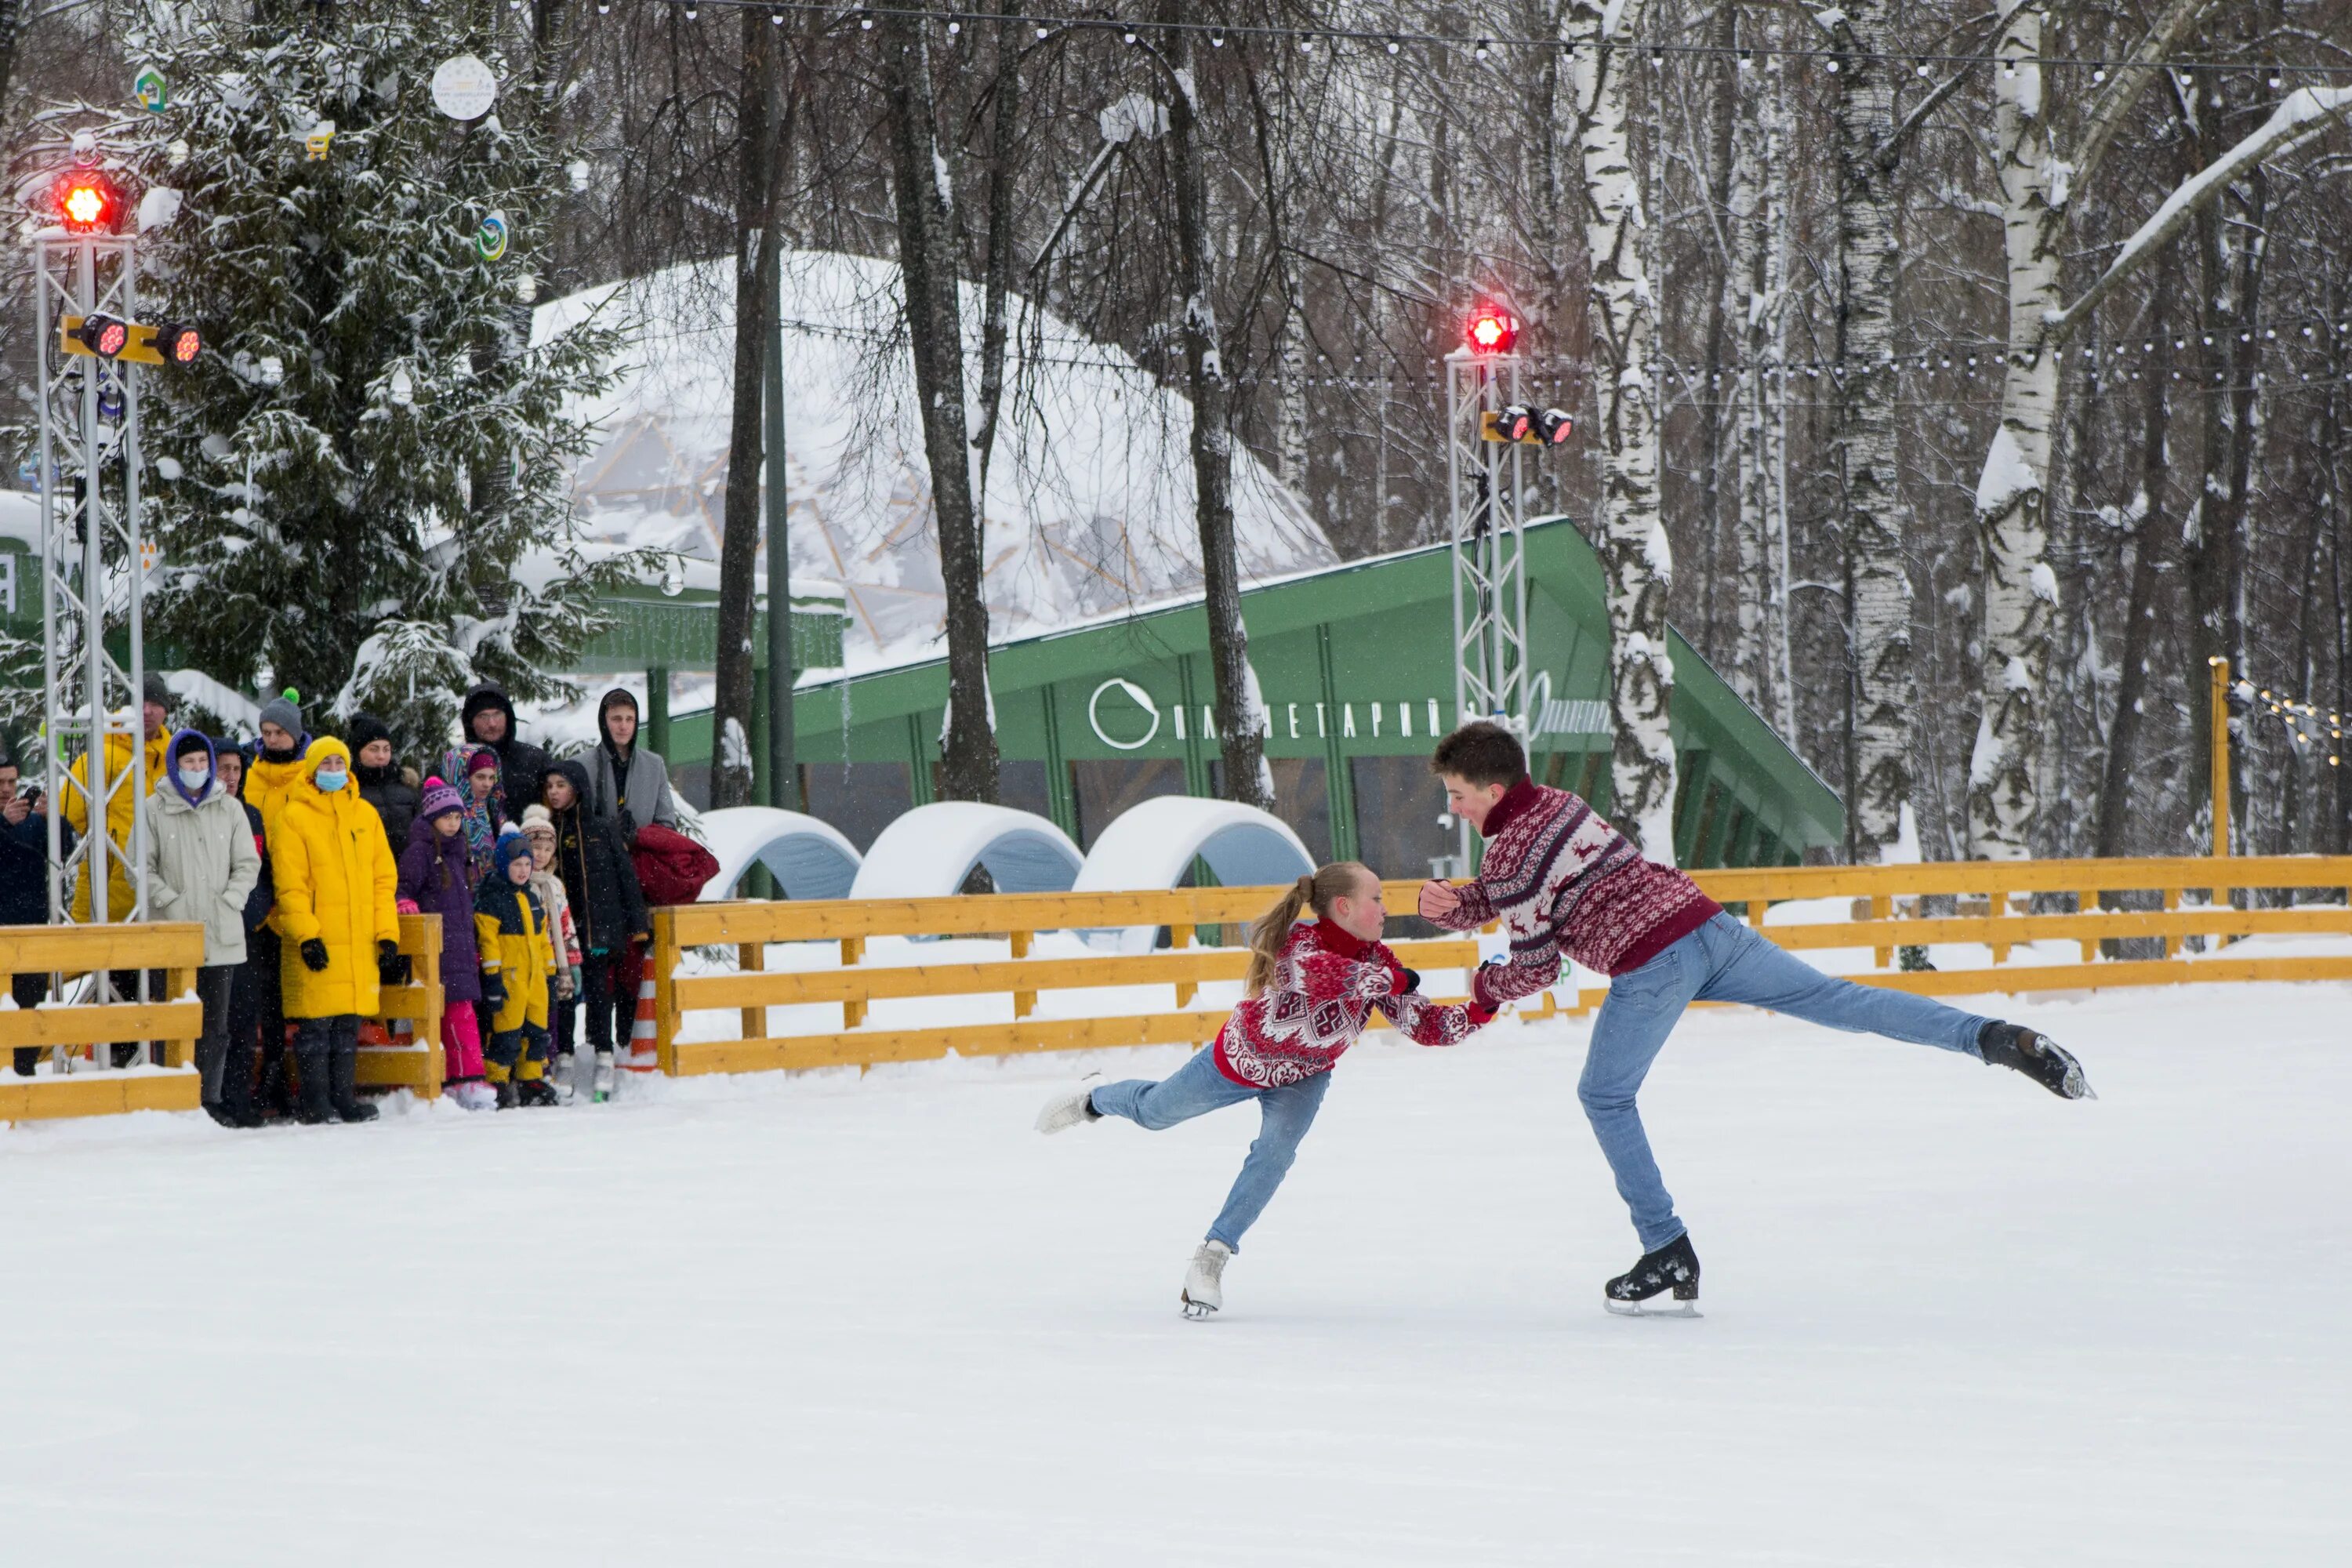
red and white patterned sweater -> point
(1325, 983)
(1561, 879)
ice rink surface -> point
(1949, 1320)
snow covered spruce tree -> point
(1634, 553)
(364, 484)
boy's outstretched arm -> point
(1463, 906)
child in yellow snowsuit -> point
(518, 961)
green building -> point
(1356, 672)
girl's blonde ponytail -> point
(1338, 880)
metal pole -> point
(46, 481)
(784, 788)
(2219, 669)
(96, 795)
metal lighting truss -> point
(92, 574)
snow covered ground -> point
(839, 1320)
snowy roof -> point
(1090, 504)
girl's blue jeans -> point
(1198, 1086)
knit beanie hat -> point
(512, 846)
(536, 820)
(365, 730)
(154, 689)
(281, 711)
(483, 757)
(439, 798)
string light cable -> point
(1484, 46)
(2296, 714)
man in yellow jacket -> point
(339, 931)
(518, 956)
(122, 804)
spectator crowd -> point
(299, 853)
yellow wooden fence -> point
(1995, 899)
(177, 949)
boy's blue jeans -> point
(1198, 1086)
(1723, 961)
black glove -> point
(494, 991)
(314, 955)
(1413, 979)
(391, 964)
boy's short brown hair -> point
(1481, 753)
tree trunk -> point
(732, 762)
(1767, 347)
(924, 196)
(1718, 403)
(1003, 153)
(2139, 613)
(1745, 301)
(12, 21)
(2019, 591)
(1878, 605)
(2213, 544)
(1637, 560)
(1240, 710)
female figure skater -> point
(1310, 991)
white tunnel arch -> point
(809, 858)
(929, 852)
(1153, 845)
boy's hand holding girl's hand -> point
(1438, 900)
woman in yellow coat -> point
(339, 933)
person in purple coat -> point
(437, 874)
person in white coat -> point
(201, 865)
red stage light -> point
(88, 201)
(181, 342)
(1493, 332)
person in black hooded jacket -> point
(608, 908)
(490, 721)
(381, 779)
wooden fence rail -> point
(1885, 901)
(177, 949)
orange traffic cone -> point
(644, 1055)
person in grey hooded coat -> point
(628, 786)
(201, 866)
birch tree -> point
(1758, 195)
(2019, 589)
(1885, 685)
(1636, 559)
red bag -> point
(671, 868)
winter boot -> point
(603, 1077)
(1070, 1108)
(344, 1085)
(505, 1092)
(2038, 1056)
(237, 1107)
(315, 1102)
(536, 1091)
(1673, 1266)
(1205, 1291)
(276, 1086)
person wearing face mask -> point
(382, 783)
(201, 865)
(338, 927)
